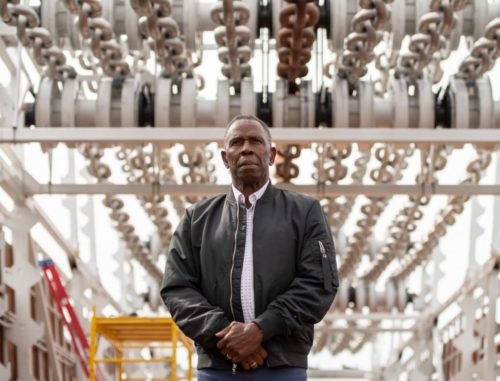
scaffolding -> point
(126, 334)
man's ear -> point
(224, 158)
(272, 156)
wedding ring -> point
(253, 364)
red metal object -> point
(68, 315)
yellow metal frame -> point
(137, 333)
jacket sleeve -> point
(313, 289)
(180, 291)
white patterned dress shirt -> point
(247, 292)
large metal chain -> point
(140, 166)
(392, 161)
(339, 344)
(404, 223)
(360, 340)
(163, 35)
(31, 35)
(285, 168)
(338, 214)
(233, 38)
(359, 44)
(447, 217)
(102, 172)
(330, 170)
(98, 33)
(483, 54)
(197, 160)
(430, 41)
(296, 37)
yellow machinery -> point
(137, 333)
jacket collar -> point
(268, 194)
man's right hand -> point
(254, 360)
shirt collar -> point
(240, 198)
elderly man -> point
(250, 272)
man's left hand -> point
(239, 340)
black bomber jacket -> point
(295, 273)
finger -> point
(254, 361)
(262, 352)
(224, 331)
(245, 365)
(260, 359)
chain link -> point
(392, 162)
(140, 166)
(359, 342)
(388, 60)
(296, 37)
(286, 170)
(233, 38)
(404, 223)
(421, 253)
(31, 35)
(330, 170)
(430, 43)
(483, 54)
(197, 160)
(338, 345)
(163, 36)
(102, 172)
(98, 33)
(337, 212)
(359, 44)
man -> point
(250, 272)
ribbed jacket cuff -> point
(271, 324)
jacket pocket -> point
(326, 267)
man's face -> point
(247, 152)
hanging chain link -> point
(140, 166)
(430, 43)
(338, 214)
(404, 223)
(233, 38)
(388, 60)
(102, 172)
(31, 35)
(421, 253)
(197, 160)
(329, 166)
(338, 345)
(286, 170)
(367, 25)
(330, 169)
(392, 162)
(98, 33)
(163, 36)
(483, 54)
(360, 340)
(296, 37)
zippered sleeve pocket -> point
(326, 267)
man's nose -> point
(247, 147)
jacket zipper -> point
(322, 249)
(234, 256)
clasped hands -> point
(241, 343)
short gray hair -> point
(249, 117)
